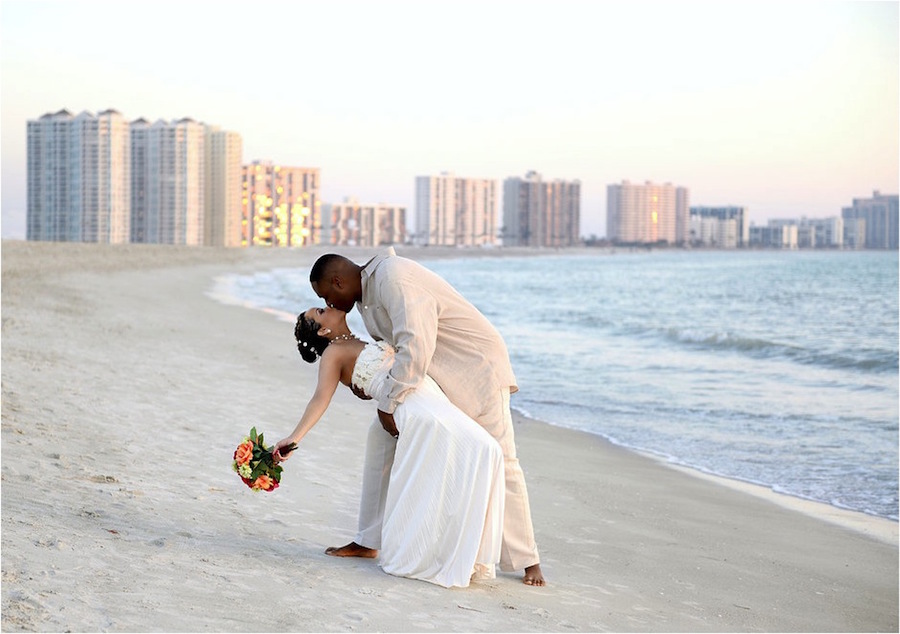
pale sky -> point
(787, 108)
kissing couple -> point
(443, 495)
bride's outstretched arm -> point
(329, 376)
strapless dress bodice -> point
(372, 364)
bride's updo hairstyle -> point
(310, 344)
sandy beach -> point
(125, 389)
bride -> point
(444, 508)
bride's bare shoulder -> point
(343, 352)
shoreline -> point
(126, 388)
(877, 527)
(883, 529)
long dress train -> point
(444, 510)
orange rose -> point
(243, 453)
(264, 483)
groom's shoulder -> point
(398, 269)
(400, 263)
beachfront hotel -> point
(224, 209)
(776, 234)
(78, 178)
(721, 227)
(103, 179)
(356, 224)
(820, 233)
(453, 211)
(185, 183)
(168, 182)
(647, 214)
(281, 205)
(872, 223)
(538, 213)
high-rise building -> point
(802, 233)
(541, 214)
(78, 178)
(453, 211)
(281, 205)
(102, 179)
(224, 158)
(355, 224)
(647, 214)
(722, 227)
(777, 234)
(880, 216)
(820, 233)
(854, 233)
(168, 183)
(141, 221)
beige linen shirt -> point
(435, 331)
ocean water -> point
(775, 368)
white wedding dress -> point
(443, 517)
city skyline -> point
(787, 109)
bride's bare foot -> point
(534, 576)
(353, 550)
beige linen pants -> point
(518, 550)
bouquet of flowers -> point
(254, 463)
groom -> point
(434, 330)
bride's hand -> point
(277, 456)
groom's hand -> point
(387, 421)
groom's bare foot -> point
(354, 550)
(534, 576)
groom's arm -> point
(414, 316)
